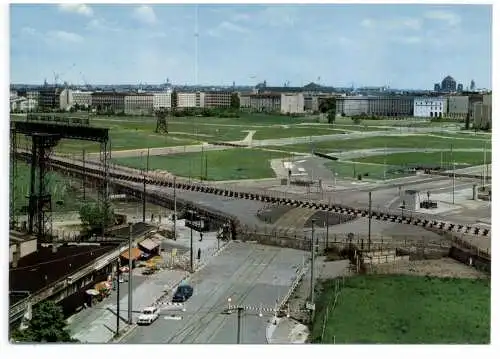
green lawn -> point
(411, 141)
(264, 133)
(428, 158)
(59, 188)
(392, 309)
(232, 164)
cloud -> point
(448, 17)
(241, 16)
(101, 25)
(279, 16)
(408, 40)
(29, 31)
(80, 9)
(393, 24)
(145, 14)
(64, 36)
(227, 27)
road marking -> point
(172, 317)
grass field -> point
(232, 164)
(284, 132)
(413, 141)
(428, 158)
(396, 309)
(59, 188)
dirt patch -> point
(445, 267)
(273, 213)
(321, 218)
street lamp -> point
(229, 305)
(403, 206)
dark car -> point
(183, 293)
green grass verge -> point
(264, 133)
(412, 141)
(429, 158)
(392, 309)
(232, 164)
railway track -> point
(126, 177)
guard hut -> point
(410, 199)
(149, 248)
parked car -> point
(148, 315)
(183, 293)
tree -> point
(47, 324)
(467, 122)
(356, 120)
(327, 104)
(235, 100)
(94, 216)
(173, 99)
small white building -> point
(429, 107)
(292, 103)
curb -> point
(159, 300)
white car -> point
(148, 315)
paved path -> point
(252, 275)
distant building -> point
(437, 87)
(390, 106)
(162, 100)
(429, 107)
(217, 99)
(23, 104)
(268, 102)
(472, 85)
(66, 99)
(49, 98)
(448, 84)
(292, 103)
(460, 88)
(244, 100)
(190, 99)
(138, 104)
(458, 107)
(109, 101)
(482, 113)
(82, 98)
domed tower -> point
(448, 84)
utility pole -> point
(201, 164)
(327, 230)
(385, 160)
(144, 189)
(130, 273)
(311, 293)
(369, 220)
(191, 243)
(118, 296)
(484, 165)
(453, 178)
(240, 312)
(206, 167)
(175, 211)
(83, 160)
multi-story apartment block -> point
(266, 102)
(430, 107)
(32, 95)
(217, 99)
(138, 103)
(82, 98)
(162, 100)
(482, 113)
(49, 98)
(109, 101)
(458, 107)
(244, 100)
(66, 99)
(23, 104)
(292, 103)
(190, 99)
(352, 105)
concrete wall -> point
(458, 107)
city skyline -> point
(401, 46)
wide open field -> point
(410, 141)
(232, 164)
(400, 309)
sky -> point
(395, 45)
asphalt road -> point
(251, 275)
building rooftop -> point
(44, 267)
